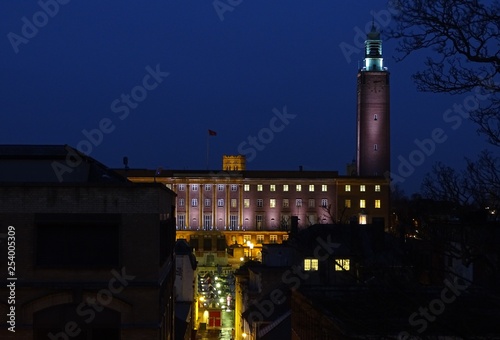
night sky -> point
(230, 70)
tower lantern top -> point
(373, 51)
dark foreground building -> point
(93, 252)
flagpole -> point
(208, 141)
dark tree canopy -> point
(477, 186)
(465, 38)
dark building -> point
(93, 252)
(373, 111)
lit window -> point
(377, 187)
(247, 238)
(362, 187)
(259, 187)
(220, 187)
(194, 187)
(377, 204)
(298, 202)
(347, 203)
(342, 264)
(208, 187)
(362, 203)
(311, 203)
(285, 187)
(260, 202)
(234, 187)
(272, 203)
(207, 202)
(260, 239)
(194, 202)
(181, 187)
(246, 203)
(347, 187)
(233, 203)
(180, 202)
(324, 187)
(324, 202)
(311, 187)
(246, 187)
(272, 187)
(220, 202)
(286, 203)
(362, 219)
(298, 187)
(273, 238)
(285, 237)
(310, 265)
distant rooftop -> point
(51, 163)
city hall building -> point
(252, 200)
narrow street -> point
(222, 333)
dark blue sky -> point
(69, 74)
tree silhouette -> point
(465, 38)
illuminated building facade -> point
(265, 201)
(373, 111)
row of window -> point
(286, 187)
(362, 204)
(208, 187)
(362, 187)
(313, 264)
(272, 203)
(260, 238)
(273, 187)
(260, 202)
(246, 187)
(233, 221)
(207, 221)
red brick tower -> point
(373, 123)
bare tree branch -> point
(464, 36)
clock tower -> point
(373, 108)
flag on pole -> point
(212, 133)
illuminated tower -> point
(373, 123)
